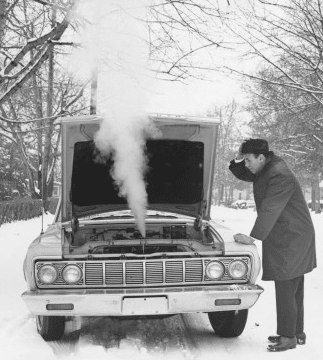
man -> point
(285, 227)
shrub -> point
(23, 209)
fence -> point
(23, 209)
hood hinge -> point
(74, 224)
(198, 221)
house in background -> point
(57, 188)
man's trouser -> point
(290, 306)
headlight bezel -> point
(71, 267)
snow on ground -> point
(182, 336)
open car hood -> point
(179, 172)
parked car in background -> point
(94, 261)
(320, 202)
(238, 204)
(251, 203)
(243, 204)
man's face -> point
(253, 163)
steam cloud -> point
(113, 45)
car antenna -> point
(42, 216)
(42, 200)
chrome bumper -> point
(135, 302)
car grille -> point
(132, 273)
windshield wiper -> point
(112, 216)
(163, 215)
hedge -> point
(23, 209)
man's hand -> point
(243, 239)
(239, 155)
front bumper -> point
(136, 302)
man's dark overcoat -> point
(283, 221)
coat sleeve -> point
(240, 171)
(280, 188)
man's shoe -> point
(301, 338)
(284, 344)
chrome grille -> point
(174, 272)
(114, 273)
(133, 273)
(154, 272)
(94, 273)
(194, 271)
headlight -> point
(72, 274)
(214, 270)
(47, 274)
(237, 269)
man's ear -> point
(262, 157)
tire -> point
(50, 327)
(228, 323)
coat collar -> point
(269, 160)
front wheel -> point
(228, 323)
(50, 327)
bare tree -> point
(286, 37)
(184, 37)
(286, 40)
(30, 53)
(230, 133)
(33, 94)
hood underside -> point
(178, 174)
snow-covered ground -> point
(181, 337)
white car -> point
(93, 261)
(320, 202)
(243, 204)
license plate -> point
(144, 305)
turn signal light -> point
(221, 302)
(60, 306)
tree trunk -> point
(39, 113)
(221, 193)
(94, 91)
(230, 193)
(47, 158)
(3, 13)
(316, 205)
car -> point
(320, 202)
(238, 204)
(94, 260)
(243, 204)
(250, 204)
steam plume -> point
(114, 45)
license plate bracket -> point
(144, 305)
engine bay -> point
(125, 239)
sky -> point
(196, 97)
(113, 44)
